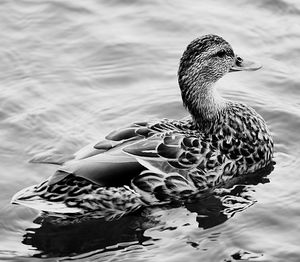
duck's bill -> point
(244, 65)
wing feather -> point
(170, 152)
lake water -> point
(71, 71)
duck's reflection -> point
(54, 239)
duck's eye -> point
(221, 53)
(239, 60)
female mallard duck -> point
(170, 160)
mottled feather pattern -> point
(239, 143)
(159, 188)
(80, 196)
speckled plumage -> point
(150, 163)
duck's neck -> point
(203, 102)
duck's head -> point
(205, 60)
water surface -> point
(72, 71)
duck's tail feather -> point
(78, 196)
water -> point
(72, 71)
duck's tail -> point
(77, 196)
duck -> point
(150, 163)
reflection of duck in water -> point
(54, 238)
(169, 160)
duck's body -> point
(169, 160)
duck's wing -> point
(105, 163)
(175, 152)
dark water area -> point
(70, 72)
